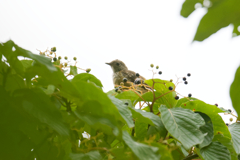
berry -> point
(137, 74)
(160, 72)
(65, 64)
(231, 119)
(170, 88)
(59, 57)
(227, 124)
(176, 97)
(121, 83)
(74, 58)
(185, 82)
(171, 80)
(126, 103)
(137, 81)
(65, 57)
(53, 49)
(151, 65)
(189, 95)
(54, 59)
(230, 110)
(216, 104)
(188, 74)
(88, 70)
(124, 80)
(184, 78)
(116, 89)
(157, 67)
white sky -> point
(134, 31)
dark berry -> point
(116, 89)
(55, 59)
(176, 97)
(189, 95)
(137, 74)
(229, 110)
(227, 124)
(53, 49)
(124, 80)
(137, 81)
(188, 74)
(160, 72)
(184, 78)
(216, 104)
(185, 82)
(170, 88)
(126, 103)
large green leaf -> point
(206, 129)
(212, 111)
(183, 124)
(235, 91)
(142, 151)
(227, 142)
(123, 110)
(235, 132)
(166, 96)
(141, 129)
(128, 95)
(215, 151)
(149, 118)
(87, 78)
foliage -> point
(44, 115)
(220, 14)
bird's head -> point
(117, 65)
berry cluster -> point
(57, 61)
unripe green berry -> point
(171, 80)
(53, 49)
(59, 57)
(157, 67)
(65, 57)
(74, 58)
(151, 65)
(231, 119)
(65, 64)
(88, 70)
(54, 59)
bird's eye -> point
(117, 64)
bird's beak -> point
(108, 64)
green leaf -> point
(218, 16)
(142, 151)
(123, 110)
(128, 95)
(149, 118)
(73, 70)
(27, 63)
(184, 100)
(206, 129)
(87, 78)
(14, 82)
(50, 89)
(166, 96)
(183, 124)
(140, 129)
(235, 130)
(215, 151)
(189, 6)
(227, 142)
(235, 91)
(92, 155)
(212, 111)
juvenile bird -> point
(120, 71)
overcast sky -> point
(134, 31)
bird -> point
(122, 74)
